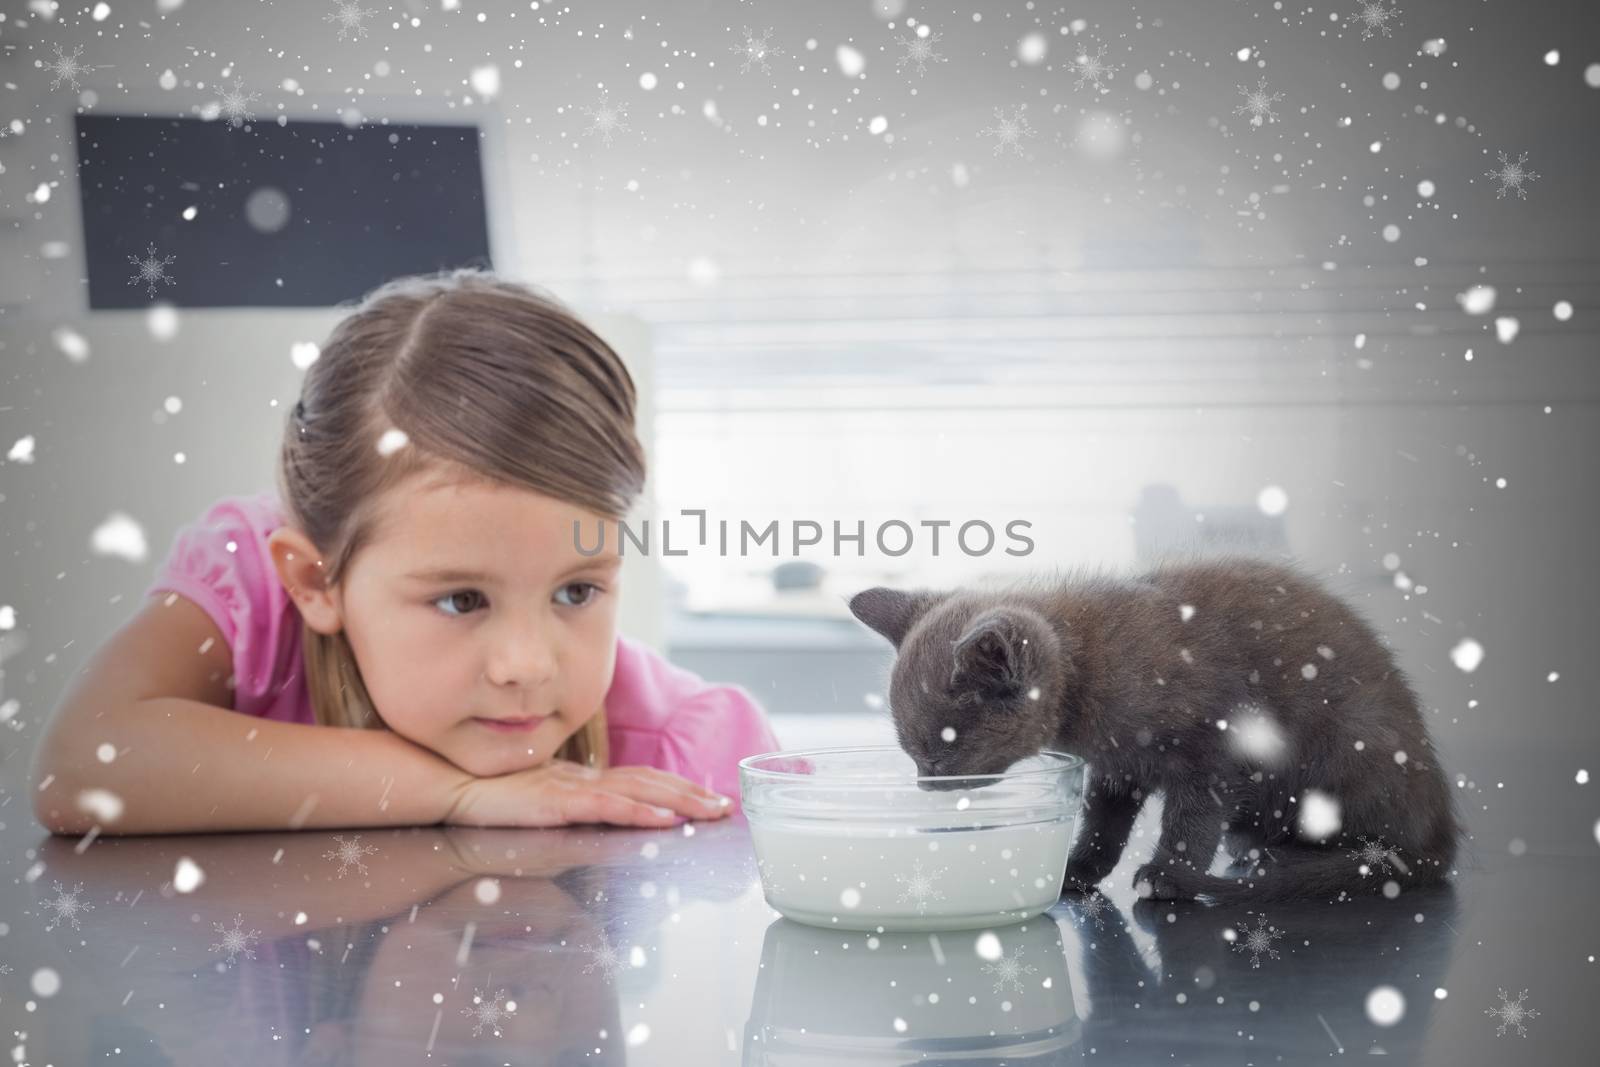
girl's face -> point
(472, 608)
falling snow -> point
(234, 103)
(151, 269)
(1010, 129)
(769, 877)
(65, 907)
(606, 957)
(605, 118)
(1467, 653)
(1091, 68)
(235, 940)
(1512, 175)
(1257, 737)
(1375, 856)
(488, 1013)
(1374, 17)
(1258, 104)
(1511, 1013)
(1258, 940)
(349, 853)
(756, 51)
(1091, 908)
(67, 68)
(919, 52)
(919, 886)
(349, 18)
(1009, 969)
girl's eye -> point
(457, 608)
(594, 591)
(451, 598)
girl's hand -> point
(561, 792)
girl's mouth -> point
(510, 726)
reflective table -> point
(602, 944)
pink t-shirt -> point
(657, 715)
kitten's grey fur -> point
(1110, 669)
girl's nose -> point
(527, 667)
(521, 656)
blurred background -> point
(1225, 274)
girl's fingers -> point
(569, 769)
(663, 797)
(634, 795)
(573, 770)
(672, 781)
(586, 804)
(693, 802)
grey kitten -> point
(1231, 685)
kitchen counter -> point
(602, 944)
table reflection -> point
(1190, 983)
(564, 946)
(467, 946)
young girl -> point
(407, 632)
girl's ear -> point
(299, 567)
(891, 612)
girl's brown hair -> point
(489, 380)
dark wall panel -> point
(306, 214)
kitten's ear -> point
(890, 611)
(988, 655)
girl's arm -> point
(153, 699)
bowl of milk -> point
(854, 839)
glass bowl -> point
(854, 839)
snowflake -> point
(151, 269)
(236, 940)
(1009, 130)
(1511, 175)
(1511, 1013)
(1092, 68)
(66, 906)
(349, 18)
(1009, 970)
(488, 1013)
(1258, 104)
(769, 876)
(606, 957)
(606, 118)
(919, 52)
(1091, 907)
(919, 886)
(1257, 941)
(1375, 855)
(234, 103)
(756, 51)
(1375, 15)
(350, 852)
(67, 68)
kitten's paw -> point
(1154, 882)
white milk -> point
(862, 878)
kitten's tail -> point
(1303, 872)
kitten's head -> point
(977, 683)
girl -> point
(408, 626)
